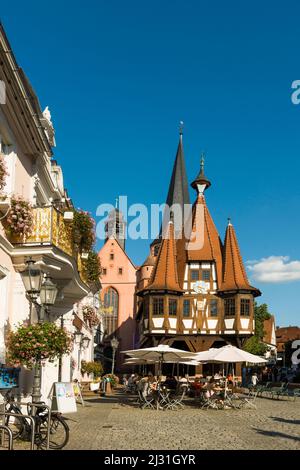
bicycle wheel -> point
(16, 424)
(59, 432)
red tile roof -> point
(204, 234)
(164, 275)
(234, 274)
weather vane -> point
(181, 124)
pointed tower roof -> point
(234, 274)
(204, 242)
(178, 192)
(164, 275)
(201, 183)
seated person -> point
(210, 388)
(217, 376)
(230, 379)
(170, 382)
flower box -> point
(68, 216)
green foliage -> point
(254, 345)
(83, 230)
(92, 367)
(92, 267)
(37, 342)
(261, 314)
(114, 379)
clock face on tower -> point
(200, 287)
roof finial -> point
(202, 163)
(117, 202)
(229, 221)
(181, 125)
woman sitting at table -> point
(209, 388)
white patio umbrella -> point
(161, 353)
(228, 353)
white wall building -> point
(26, 143)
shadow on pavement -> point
(284, 420)
(276, 434)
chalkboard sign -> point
(63, 397)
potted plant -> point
(94, 368)
(19, 218)
(42, 341)
(113, 379)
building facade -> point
(118, 281)
(30, 173)
(193, 292)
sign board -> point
(63, 398)
(77, 392)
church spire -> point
(178, 193)
(201, 183)
(178, 189)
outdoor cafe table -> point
(161, 396)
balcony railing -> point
(49, 228)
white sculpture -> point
(46, 114)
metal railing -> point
(30, 416)
(36, 405)
(32, 427)
(4, 429)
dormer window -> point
(214, 308)
(229, 307)
(158, 306)
(172, 307)
(195, 274)
(245, 307)
(186, 307)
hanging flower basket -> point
(20, 217)
(92, 267)
(42, 341)
(90, 316)
(83, 230)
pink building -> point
(118, 291)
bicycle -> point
(22, 429)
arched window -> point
(111, 306)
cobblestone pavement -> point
(114, 424)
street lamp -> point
(32, 277)
(85, 342)
(114, 344)
(48, 292)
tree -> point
(255, 344)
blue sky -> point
(119, 76)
